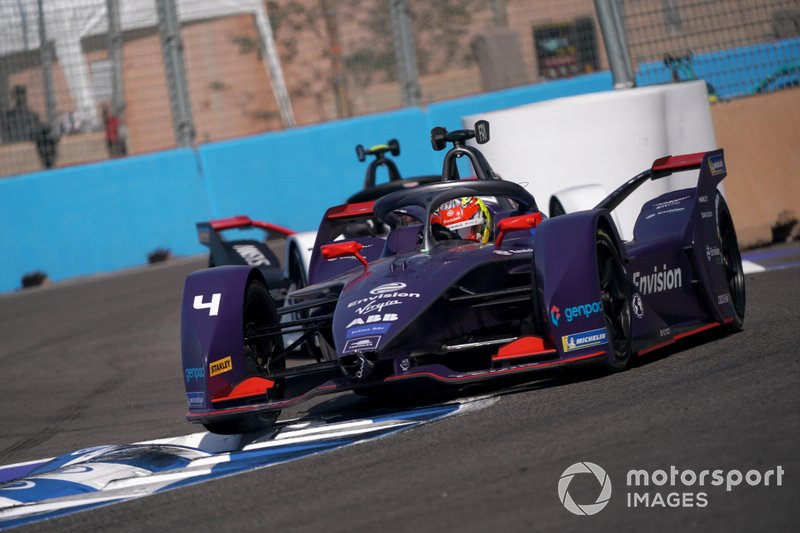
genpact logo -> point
(583, 310)
(587, 509)
(555, 314)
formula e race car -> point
(472, 283)
(283, 255)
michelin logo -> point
(585, 339)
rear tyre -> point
(615, 298)
(732, 263)
(261, 359)
(556, 209)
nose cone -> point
(370, 315)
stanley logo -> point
(220, 366)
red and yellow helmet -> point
(467, 216)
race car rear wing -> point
(711, 165)
(243, 221)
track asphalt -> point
(97, 362)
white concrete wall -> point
(602, 138)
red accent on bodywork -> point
(698, 330)
(680, 336)
(243, 221)
(252, 386)
(678, 162)
(510, 370)
(357, 209)
(340, 249)
(517, 223)
(523, 347)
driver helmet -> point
(468, 217)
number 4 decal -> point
(212, 306)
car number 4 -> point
(212, 306)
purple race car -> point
(470, 283)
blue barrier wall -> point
(99, 218)
(108, 216)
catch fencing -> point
(124, 77)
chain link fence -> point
(123, 77)
(740, 47)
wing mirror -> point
(518, 223)
(343, 249)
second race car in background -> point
(284, 256)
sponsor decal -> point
(385, 291)
(197, 372)
(723, 299)
(405, 364)
(388, 287)
(713, 252)
(716, 164)
(666, 332)
(670, 203)
(251, 255)
(220, 366)
(369, 329)
(362, 344)
(588, 509)
(670, 211)
(702, 199)
(706, 214)
(555, 315)
(637, 305)
(212, 305)
(196, 399)
(386, 317)
(583, 310)
(514, 251)
(378, 306)
(659, 281)
(584, 339)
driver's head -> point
(467, 217)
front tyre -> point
(263, 357)
(615, 298)
(732, 263)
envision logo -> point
(388, 287)
(586, 509)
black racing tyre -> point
(556, 209)
(245, 424)
(260, 359)
(299, 281)
(732, 263)
(616, 300)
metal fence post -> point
(404, 52)
(115, 55)
(46, 53)
(172, 47)
(611, 25)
